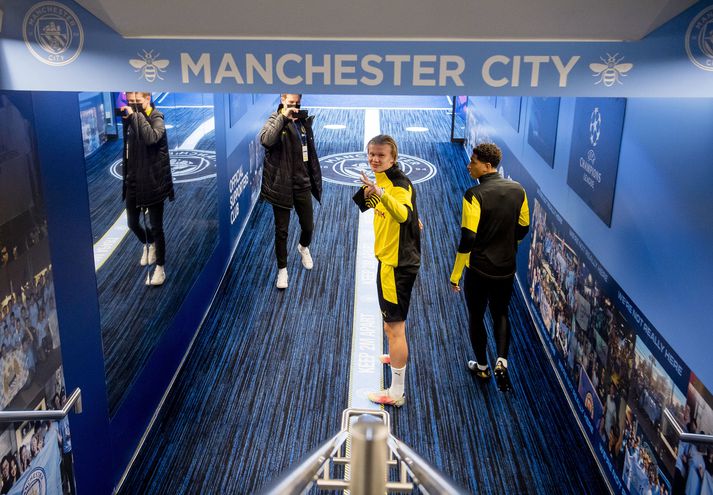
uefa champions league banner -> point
(594, 156)
(619, 373)
(57, 45)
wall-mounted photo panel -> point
(509, 107)
(542, 127)
(594, 157)
(238, 104)
(31, 375)
(623, 375)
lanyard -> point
(301, 131)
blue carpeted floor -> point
(266, 380)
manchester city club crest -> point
(53, 33)
(345, 168)
(35, 483)
(699, 40)
(186, 165)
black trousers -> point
(67, 472)
(303, 208)
(153, 235)
(480, 292)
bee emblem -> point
(611, 70)
(149, 65)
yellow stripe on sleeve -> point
(461, 260)
(524, 218)
(471, 214)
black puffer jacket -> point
(147, 167)
(283, 151)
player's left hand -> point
(371, 188)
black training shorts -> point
(394, 285)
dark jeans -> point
(153, 235)
(67, 473)
(481, 291)
(303, 207)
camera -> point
(118, 112)
(301, 114)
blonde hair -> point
(142, 93)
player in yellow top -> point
(495, 219)
(397, 246)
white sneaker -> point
(281, 278)
(158, 277)
(306, 257)
(148, 255)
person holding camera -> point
(147, 180)
(291, 175)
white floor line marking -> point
(201, 131)
(163, 97)
(108, 243)
(367, 333)
(105, 246)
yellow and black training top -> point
(495, 218)
(396, 231)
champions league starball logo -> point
(595, 126)
(186, 165)
(699, 40)
(35, 483)
(346, 168)
(53, 33)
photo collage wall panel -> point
(626, 381)
(33, 454)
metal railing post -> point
(369, 456)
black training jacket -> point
(283, 151)
(147, 167)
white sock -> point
(398, 376)
(481, 366)
(502, 361)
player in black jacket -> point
(495, 218)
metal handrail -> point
(425, 476)
(685, 436)
(74, 401)
(301, 478)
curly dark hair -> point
(488, 153)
